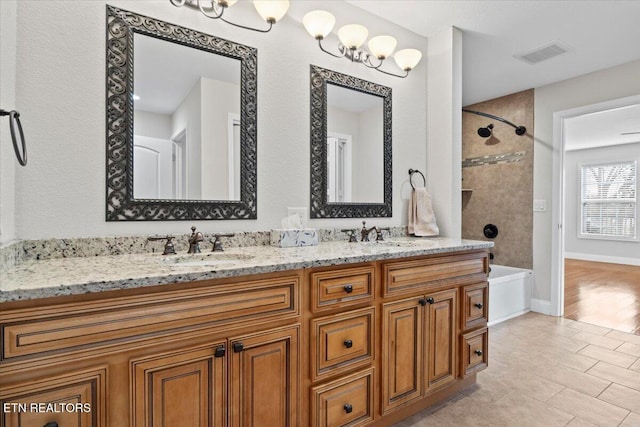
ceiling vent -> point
(542, 53)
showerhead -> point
(485, 132)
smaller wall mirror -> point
(181, 122)
(350, 147)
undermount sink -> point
(205, 260)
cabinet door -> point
(74, 400)
(402, 328)
(264, 379)
(185, 388)
(440, 339)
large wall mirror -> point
(181, 122)
(350, 147)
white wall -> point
(612, 83)
(368, 183)
(593, 248)
(60, 81)
(8, 160)
(187, 116)
(154, 125)
(444, 158)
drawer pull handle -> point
(238, 347)
(348, 408)
(422, 302)
(51, 424)
(348, 343)
(220, 351)
(430, 300)
(348, 288)
(479, 305)
(478, 352)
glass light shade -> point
(382, 46)
(407, 59)
(271, 10)
(228, 2)
(353, 35)
(319, 23)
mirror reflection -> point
(186, 122)
(354, 146)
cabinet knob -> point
(479, 305)
(220, 351)
(238, 347)
(430, 300)
(348, 343)
(478, 352)
(51, 424)
(422, 302)
(348, 408)
(348, 288)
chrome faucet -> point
(194, 241)
(364, 233)
(169, 249)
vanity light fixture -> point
(270, 10)
(319, 24)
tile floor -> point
(548, 371)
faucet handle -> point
(217, 244)
(169, 249)
(352, 235)
(379, 230)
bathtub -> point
(509, 292)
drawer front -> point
(340, 288)
(475, 347)
(39, 402)
(96, 323)
(475, 303)
(347, 401)
(422, 275)
(342, 341)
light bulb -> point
(318, 23)
(353, 35)
(407, 59)
(271, 10)
(382, 46)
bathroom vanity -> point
(337, 334)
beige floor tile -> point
(622, 396)
(598, 330)
(616, 374)
(554, 356)
(579, 422)
(610, 356)
(532, 385)
(576, 380)
(635, 366)
(598, 340)
(623, 336)
(632, 420)
(588, 408)
(629, 348)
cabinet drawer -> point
(341, 342)
(475, 301)
(102, 322)
(339, 288)
(475, 348)
(422, 275)
(345, 402)
(54, 397)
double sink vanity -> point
(335, 334)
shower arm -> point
(520, 130)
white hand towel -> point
(422, 221)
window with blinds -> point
(609, 200)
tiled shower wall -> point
(498, 174)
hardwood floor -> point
(603, 294)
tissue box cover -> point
(297, 237)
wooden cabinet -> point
(419, 346)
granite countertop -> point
(80, 275)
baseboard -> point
(510, 316)
(602, 258)
(541, 306)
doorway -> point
(595, 244)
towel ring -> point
(411, 172)
(14, 119)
